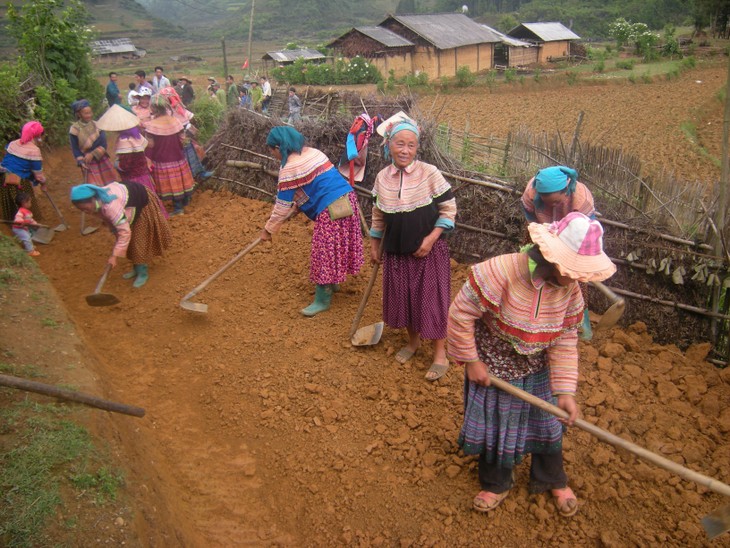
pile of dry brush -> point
(490, 220)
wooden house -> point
(511, 52)
(113, 51)
(385, 49)
(288, 56)
(445, 42)
(553, 39)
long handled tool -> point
(86, 230)
(715, 524)
(202, 307)
(370, 334)
(43, 233)
(97, 298)
(64, 225)
(615, 311)
(70, 395)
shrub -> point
(491, 80)
(600, 66)
(632, 78)
(572, 77)
(355, 71)
(689, 62)
(510, 74)
(626, 64)
(538, 75)
(646, 78)
(465, 77)
(208, 115)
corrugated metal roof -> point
(447, 30)
(106, 47)
(384, 36)
(548, 32)
(289, 55)
(514, 42)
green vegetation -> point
(53, 70)
(465, 77)
(208, 115)
(355, 71)
(12, 258)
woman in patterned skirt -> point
(413, 208)
(310, 183)
(132, 212)
(22, 168)
(88, 144)
(517, 318)
(170, 170)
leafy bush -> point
(355, 71)
(415, 80)
(538, 75)
(465, 77)
(572, 77)
(689, 62)
(599, 66)
(208, 115)
(626, 64)
(491, 80)
(510, 74)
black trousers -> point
(546, 472)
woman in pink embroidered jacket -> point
(22, 169)
(516, 318)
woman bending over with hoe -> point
(516, 318)
(310, 183)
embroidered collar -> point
(394, 170)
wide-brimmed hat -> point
(188, 80)
(143, 92)
(397, 118)
(574, 245)
(117, 118)
(212, 79)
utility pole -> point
(250, 35)
(225, 59)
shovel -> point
(97, 298)
(202, 307)
(370, 334)
(43, 234)
(715, 523)
(64, 225)
(614, 312)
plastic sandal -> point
(486, 501)
(565, 501)
(438, 370)
(404, 354)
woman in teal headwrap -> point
(553, 193)
(310, 183)
(133, 214)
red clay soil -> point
(643, 119)
(267, 428)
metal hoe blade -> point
(194, 307)
(717, 522)
(60, 228)
(368, 335)
(43, 235)
(101, 299)
(612, 315)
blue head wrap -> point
(78, 105)
(286, 139)
(554, 179)
(397, 127)
(80, 193)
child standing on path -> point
(22, 223)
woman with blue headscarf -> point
(132, 212)
(553, 193)
(310, 183)
(414, 207)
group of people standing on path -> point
(515, 318)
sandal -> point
(436, 371)
(486, 501)
(404, 354)
(565, 501)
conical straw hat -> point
(117, 118)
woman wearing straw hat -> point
(22, 168)
(88, 144)
(516, 318)
(133, 214)
(310, 183)
(413, 208)
(170, 170)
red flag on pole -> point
(245, 64)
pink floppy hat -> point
(574, 245)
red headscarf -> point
(30, 131)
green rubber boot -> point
(586, 332)
(322, 300)
(142, 275)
